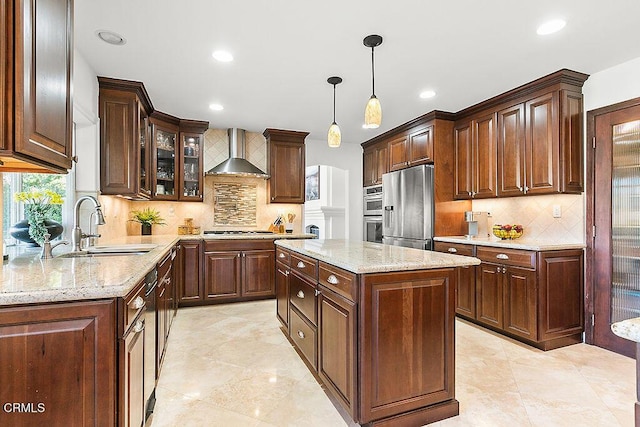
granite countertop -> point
(627, 329)
(367, 257)
(27, 279)
(245, 236)
(521, 243)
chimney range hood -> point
(236, 164)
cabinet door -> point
(133, 403)
(42, 84)
(369, 165)
(258, 273)
(282, 293)
(337, 346)
(485, 157)
(222, 275)
(191, 173)
(382, 157)
(489, 304)
(144, 154)
(398, 153)
(542, 145)
(572, 146)
(421, 146)
(287, 167)
(464, 161)
(511, 152)
(164, 185)
(189, 289)
(466, 291)
(520, 302)
(119, 117)
(62, 358)
(6, 56)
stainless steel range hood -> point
(236, 164)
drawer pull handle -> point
(300, 294)
(138, 303)
(139, 326)
(333, 279)
(317, 292)
(301, 264)
(502, 256)
(452, 250)
(281, 255)
(301, 334)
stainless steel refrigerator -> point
(408, 207)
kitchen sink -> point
(111, 250)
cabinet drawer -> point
(283, 256)
(133, 306)
(515, 257)
(338, 280)
(165, 264)
(304, 265)
(303, 336)
(222, 245)
(454, 248)
(302, 295)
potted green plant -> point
(39, 206)
(147, 217)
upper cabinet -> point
(36, 59)
(146, 154)
(375, 163)
(286, 165)
(412, 149)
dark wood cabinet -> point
(165, 169)
(50, 353)
(239, 269)
(282, 293)
(164, 311)
(489, 295)
(542, 145)
(475, 146)
(37, 61)
(465, 278)
(191, 155)
(132, 375)
(398, 153)
(125, 146)
(413, 148)
(511, 151)
(286, 165)
(189, 275)
(375, 163)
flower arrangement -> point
(148, 216)
(38, 206)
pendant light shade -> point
(373, 110)
(334, 136)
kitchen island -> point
(375, 324)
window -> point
(13, 211)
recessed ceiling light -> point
(551, 27)
(111, 37)
(216, 107)
(222, 56)
(427, 94)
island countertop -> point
(27, 279)
(521, 243)
(366, 257)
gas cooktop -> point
(237, 232)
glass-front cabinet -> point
(190, 184)
(165, 166)
(145, 151)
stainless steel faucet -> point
(77, 235)
(47, 247)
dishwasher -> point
(151, 280)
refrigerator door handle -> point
(388, 211)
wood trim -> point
(285, 135)
(410, 125)
(129, 86)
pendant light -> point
(334, 137)
(373, 110)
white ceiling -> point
(465, 50)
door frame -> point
(590, 212)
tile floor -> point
(229, 365)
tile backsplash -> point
(535, 213)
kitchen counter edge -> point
(526, 244)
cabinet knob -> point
(526, 189)
(301, 334)
(333, 279)
(317, 292)
(138, 303)
(281, 255)
(504, 270)
(502, 256)
(452, 250)
(139, 326)
(300, 294)
(301, 264)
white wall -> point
(613, 85)
(348, 157)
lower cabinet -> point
(164, 309)
(58, 361)
(189, 272)
(132, 375)
(534, 296)
(282, 293)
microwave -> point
(372, 203)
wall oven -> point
(372, 200)
(373, 229)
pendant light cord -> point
(373, 75)
(334, 103)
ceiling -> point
(284, 51)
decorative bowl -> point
(507, 231)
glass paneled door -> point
(616, 220)
(164, 187)
(192, 173)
